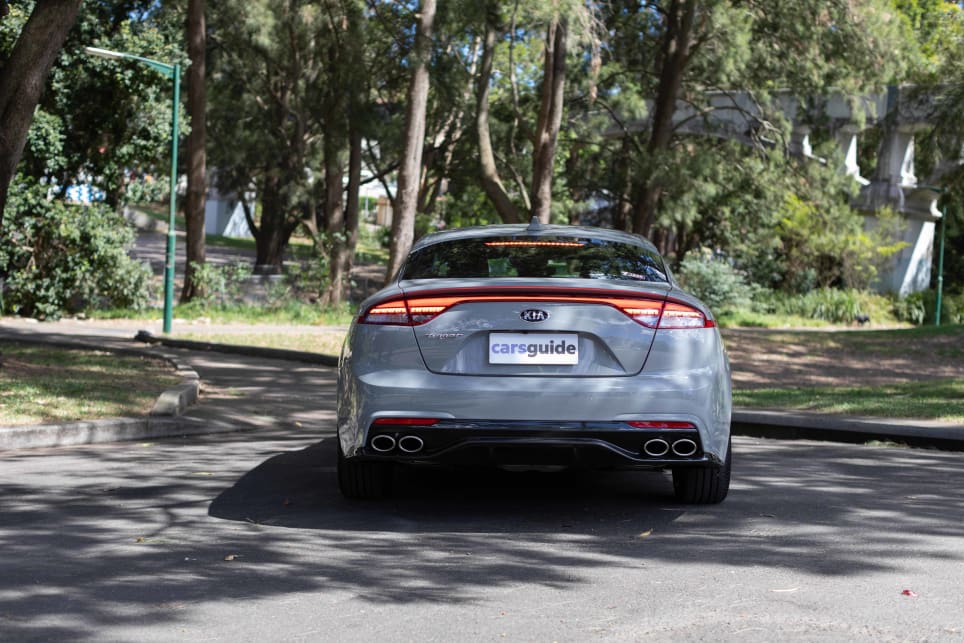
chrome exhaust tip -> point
(383, 443)
(684, 447)
(410, 443)
(656, 447)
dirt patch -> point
(790, 359)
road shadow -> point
(298, 489)
(555, 528)
(135, 536)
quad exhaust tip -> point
(410, 443)
(656, 447)
(684, 447)
(383, 443)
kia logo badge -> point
(533, 315)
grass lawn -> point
(41, 384)
(325, 342)
(903, 373)
(292, 312)
(936, 400)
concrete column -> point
(800, 141)
(847, 140)
(895, 165)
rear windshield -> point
(494, 257)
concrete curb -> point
(163, 419)
(237, 349)
(98, 431)
(783, 425)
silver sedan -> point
(536, 347)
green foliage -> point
(308, 279)
(830, 245)
(221, 285)
(910, 309)
(952, 307)
(103, 119)
(224, 286)
(831, 305)
(715, 282)
(56, 258)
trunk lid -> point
(522, 328)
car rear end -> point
(546, 348)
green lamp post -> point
(174, 73)
(940, 252)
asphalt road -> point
(244, 537)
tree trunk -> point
(406, 199)
(675, 57)
(491, 183)
(550, 118)
(334, 218)
(344, 243)
(196, 159)
(22, 80)
(274, 234)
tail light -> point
(676, 315)
(408, 312)
(649, 424)
(665, 315)
(404, 421)
(415, 311)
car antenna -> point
(535, 225)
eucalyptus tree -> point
(23, 77)
(289, 83)
(97, 118)
(938, 26)
(531, 94)
(196, 143)
(410, 169)
(677, 51)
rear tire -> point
(363, 480)
(703, 486)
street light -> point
(174, 73)
(940, 253)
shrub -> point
(715, 282)
(910, 309)
(221, 285)
(57, 258)
(836, 306)
(952, 307)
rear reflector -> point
(415, 311)
(661, 425)
(405, 421)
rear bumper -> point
(590, 445)
(566, 407)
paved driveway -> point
(244, 537)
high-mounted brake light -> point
(650, 313)
(535, 244)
